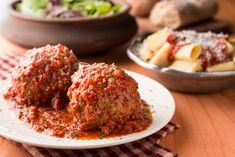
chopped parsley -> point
(20, 115)
(29, 92)
(105, 84)
(38, 57)
(75, 65)
(125, 73)
(101, 135)
(80, 110)
(111, 79)
(74, 134)
(109, 76)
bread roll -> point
(179, 13)
(141, 7)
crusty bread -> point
(141, 7)
(178, 13)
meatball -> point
(44, 76)
(104, 97)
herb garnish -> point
(101, 135)
(125, 73)
(20, 115)
(109, 76)
(105, 84)
(75, 65)
(111, 79)
(74, 134)
(80, 110)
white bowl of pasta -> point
(187, 61)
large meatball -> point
(43, 76)
(104, 97)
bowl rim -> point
(14, 13)
(132, 55)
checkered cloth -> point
(147, 147)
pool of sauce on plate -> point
(60, 123)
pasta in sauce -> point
(189, 51)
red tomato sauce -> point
(214, 46)
(62, 124)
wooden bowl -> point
(85, 35)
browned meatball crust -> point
(43, 76)
(104, 97)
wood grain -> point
(207, 121)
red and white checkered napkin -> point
(147, 147)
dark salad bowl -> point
(85, 35)
(199, 82)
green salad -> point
(67, 8)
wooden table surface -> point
(207, 121)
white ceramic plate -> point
(158, 97)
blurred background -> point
(151, 15)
